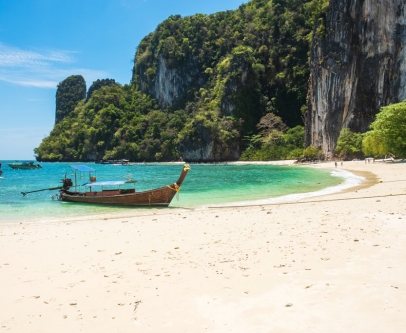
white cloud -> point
(28, 82)
(17, 58)
(41, 68)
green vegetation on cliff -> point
(68, 94)
(226, 71)
(116, 122)
(97, 85)
(260, 50)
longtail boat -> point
(115, 192)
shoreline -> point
(125, 211)
(334, 263)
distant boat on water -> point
(25, 165)
(393, 160)
(115, 162)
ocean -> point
(206, 185)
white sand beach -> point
(333, 263)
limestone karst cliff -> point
(201, 83)
(68, 94)
(358, 66)
(241, 64)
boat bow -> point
(183, 174)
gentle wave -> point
(350, 180)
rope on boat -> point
(175, 187)
(152, 194)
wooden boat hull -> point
(157, 197)
(160, 197)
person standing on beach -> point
(335, 164)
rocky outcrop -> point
(207, 153)
(69, 93)
(205, 148)
(356, 68)
(170, 85)
(234, 84)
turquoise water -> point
(205, 185)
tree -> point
(312, 152)
(388, 132)
(271, 127)
(97, 85)
(373, 145)
(349, 144)
(294, 137)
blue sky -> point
(42, 42)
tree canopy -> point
(97, 85)
(349, 144)
(388, 132)
(117, 122)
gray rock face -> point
(356, 69)
(171, 85)
(170, 88)
(203, 147)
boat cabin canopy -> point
(83, 168)
(93, 182)
(108, 183)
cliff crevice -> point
(170, 85)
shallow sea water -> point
(206, 185)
